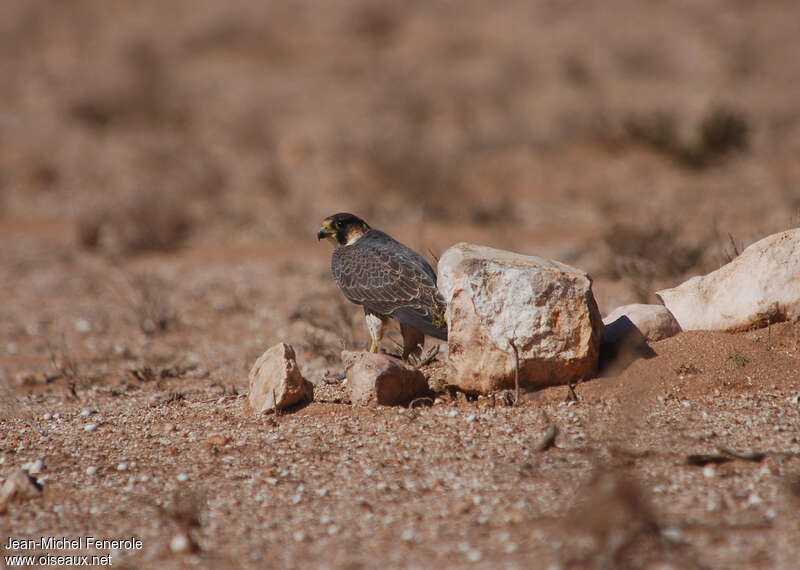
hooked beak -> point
(324, 232)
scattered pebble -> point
(709, 471)
(34, 467)
(90, 427)
(91, 470)
(180, 543)
(753, 500)
(86, 413)
(122, 466)
(672, 533)
(474, 555)
(83, 326)
(471, 418)
(47, 416)
(183, 477)
(333, 529)
(299, 536)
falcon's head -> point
(342, 229)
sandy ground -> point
(164, 169)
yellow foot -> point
(373, 347)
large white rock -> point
(495, 297)
(654, 322)
(276, 381)
(761, 285)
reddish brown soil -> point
(163, 170)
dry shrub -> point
(418, 172)
(153, 222)
(149, 222)
(719, 132)
(149, 299)
(140, 94)
(376, 23)
(641, 255)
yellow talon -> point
(373, 347)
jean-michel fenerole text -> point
(73, 543)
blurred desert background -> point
(164, 167)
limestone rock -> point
(19, 484)
(761, 285)
(654, 322)
(377, 379)
(495, 297)
(276, 381)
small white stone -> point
(57, 416)
(47, 416)
(753, 500)
(86, 413)
(179, 543)
(471, 418)
(83, 326)
(321, 492)
(333, 529)
(34, 467)
(271, 480)
(91, 470)
(709, 471)
(452, 413)
(12, 348)
(771, 514)
(90, 427)
(409, 535)
(144, 478)
(183, 477)
(123, 466)
(297, 498)
(672, 533)
(299, 536)
(474, 555)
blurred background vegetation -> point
(641, 141)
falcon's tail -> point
(414, 319)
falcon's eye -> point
(337, 225)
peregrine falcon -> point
(387, 278)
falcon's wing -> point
(388, 278)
